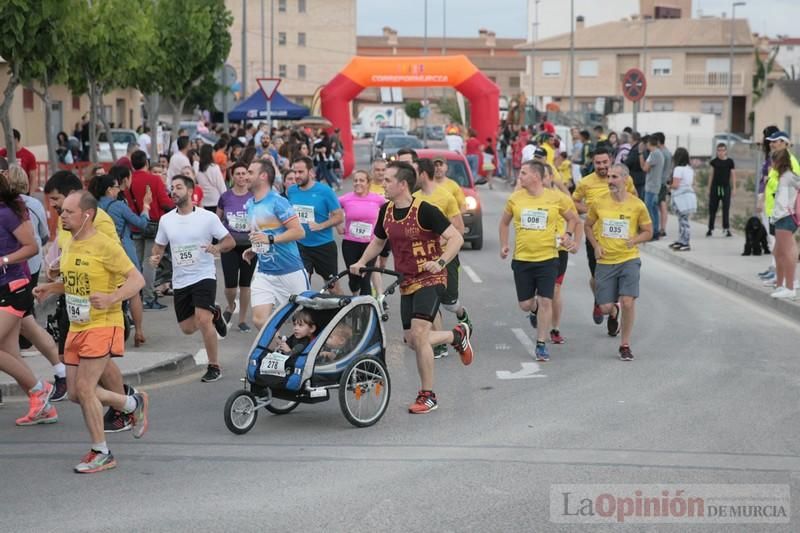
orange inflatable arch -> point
(425, 71)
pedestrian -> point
(684, 200)
(623, 149)
(274, 231)
(238, 273)
(209, 178)
(768, 276)
(633, 163)
(785, 217)
(488, 166)
(535, 211)
(721, 189)
(376, 187)
(180, 158)
(189, 232)
(473, 152)
(654, 166)
(360, 215)
(25, 158)
(615, 226)
(666, 179)
(414, 229)
(319, 212)
(93, 266)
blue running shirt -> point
(317, 204)
(268, 216)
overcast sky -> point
(507, 17)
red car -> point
(458, 170)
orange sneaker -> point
(38, 401)
(48, 416)
(425, 403)
(463, 345)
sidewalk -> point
(719, 259)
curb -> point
(170, 368)
(727, 281)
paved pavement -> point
(712, 398)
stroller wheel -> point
(240, 412)
(276, 406)
(364, 391)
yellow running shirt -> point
(102, 222)
(442, 199)
(562, 222)
(593, 187)
(376, 189)
(89, 266)
(536, 223)
(455, 189)
(615, 223)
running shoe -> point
(244, 328)
(625, 353)
(728, 233)
(219, 323)
(116, 421)
(675, 245)
(59, 389)
(140, 414)
(425, 403)
(770, 282)
(440, 351)
(597, 314)
(153, 305)
(683, 248)
(228, 315)
(541, 352)
(462, 344)
(555, 337)
(95, 461)
(48, 416)
(533, 319)
(709, 233)
(39, 401)
(784, 294)
(768, 273)
(613, 323)
(465, 320)
(213, 373)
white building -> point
(788, 55)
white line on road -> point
(529, 370)
(471, 274)
(526, 341)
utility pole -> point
(647, 22)
(534, 37)
(244, 47)
(730, 67)
(271, 38)
(425, 90)
(572, 60)
(263, 51)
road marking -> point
(526, 341)
(471, 274)
(529, 370)
(502, 347)
(201, 357)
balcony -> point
(712, 80)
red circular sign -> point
(634, 85)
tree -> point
(26, 44)
(413, 109)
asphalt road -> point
(712, 398)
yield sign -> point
(268, 86)
(634, 85)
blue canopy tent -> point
(255, 107)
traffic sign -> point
(268, 86)
(634, 85)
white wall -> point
(554, 15)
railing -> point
(711, 80)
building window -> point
(790, 48)
(714, 108)
(301, 72)
(27, 99)
(587, 68)
(493, 79)
(664, 105)
(301, 6)
(513, 82)
(551, 68)
(695, 121)
(661, 67)
(282, 6)
(301, 38)
(587, 107)
(281, 38)
(281, 71)
(76, 102)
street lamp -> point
(730, 66)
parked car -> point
(394, 143)
(435, 133)
(121, 138)
(730, 139)
(377, 141)
(191, 129)
(458, 171)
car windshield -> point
(457, 171)
(401, 142)
(387, 131)
(120, 137)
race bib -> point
(78, 309)
(535, 219)
(305, 213)
(273, 364)
(360, 230)
(261, 247)
(615, 229)
(238, 223)
(186, 255)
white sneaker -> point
(769, 282)
(784, 293)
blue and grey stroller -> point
(348, 353)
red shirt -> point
(140, 179)
(473, 146)
(25, 159)
(197, 196)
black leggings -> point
(235, 269)
(719, 193)
(351, 253)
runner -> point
(376, 186)
(17, 245)
(274, 228)
(189, 231)
(319, 211)
(615, 226)
(376, 178)
(591, 188)
(92, 265)
(360, 214)
(536, 211)
(232, 210)
(414, 229)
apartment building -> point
(686, 62)
(303, 42)
(788, 56)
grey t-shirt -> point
(668, 166)
(652, 182)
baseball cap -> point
(540, 152)
(439, 159)
(779, 136)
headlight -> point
(472, 203)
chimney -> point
(491, 42)
(579, 25)
(482, 32)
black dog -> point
(755, 237)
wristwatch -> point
(441, 262)
(271, 238)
